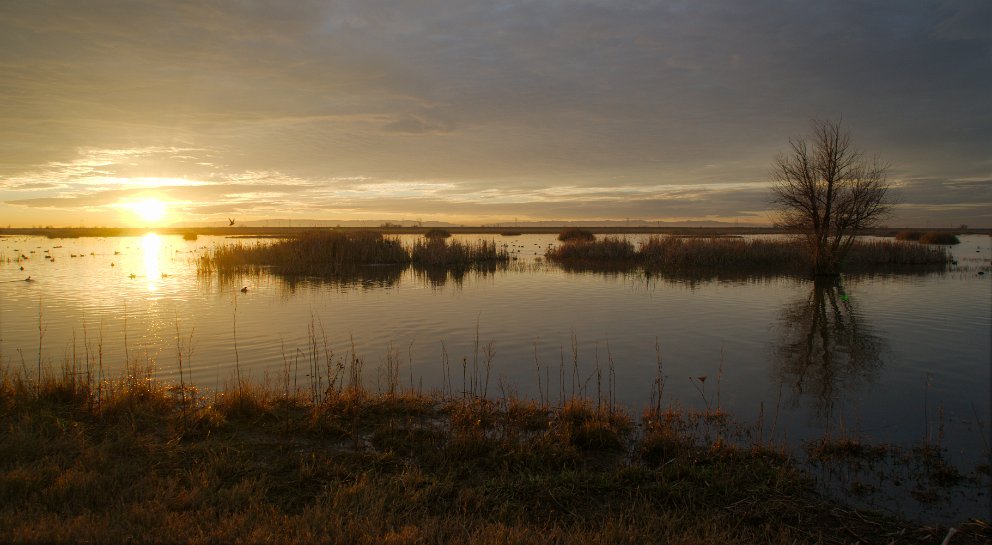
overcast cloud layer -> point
(481, 111)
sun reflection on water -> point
(151, 244)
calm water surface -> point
(903, 354)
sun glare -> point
(148, 210)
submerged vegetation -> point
(687, 254)
(135, 460)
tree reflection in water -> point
(826, 349)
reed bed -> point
(437, 233)
(689, 254)
(886, 252)
(576, 234)
(135, 460)
(314, 252)
(929, 237)
(607, 249)
(939, 238)
(349, 254)
(438, 252)
(678, 253)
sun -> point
(148, 210)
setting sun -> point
(148, 210)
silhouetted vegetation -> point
(313, 252)
(576, 234)
(939, 238)
(670, 254)
(929, 237)
(351, 255)
(438, 252)
(913, 236)
(829, 192)
(437, 233)
(609, 249)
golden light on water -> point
(151, 244)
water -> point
(904, 357)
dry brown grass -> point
(135, 463)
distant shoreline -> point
(77, 232)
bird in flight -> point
(231, 220)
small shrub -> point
(437, 234)
(576, 235)
(935, 237)
(909, 235)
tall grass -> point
(313, 252)
(576, 234)
(909, 235)
(437, 233)
(145, 463)
(438, 252)
(688, 254)
(345, 253)
(679, 253)
(609, 248)
(929, 237)
(939, 238)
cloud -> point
(527, 99)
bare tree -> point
(828, 191)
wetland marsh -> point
(893, 357)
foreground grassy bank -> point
(136, 461)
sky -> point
(478, 112)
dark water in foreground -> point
(898, 358)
